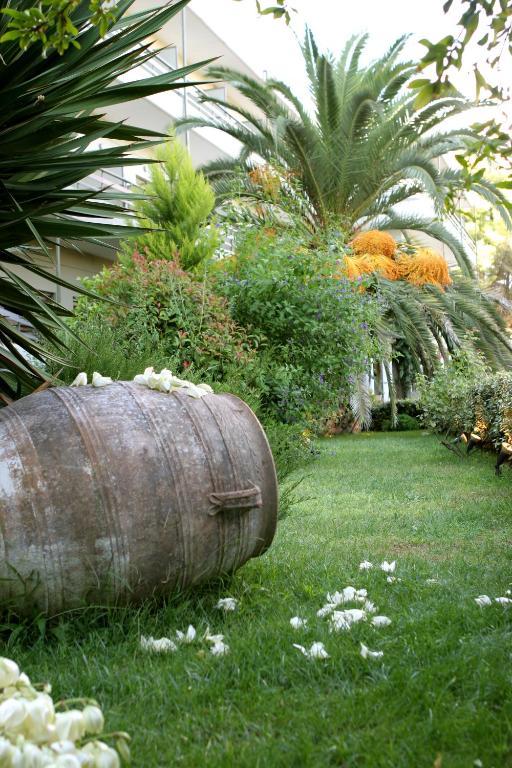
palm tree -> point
(364, 152)
(51, 115)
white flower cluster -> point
(341, 620)
(34, 735)
(166, 382)
(169, 645)
(161, 382)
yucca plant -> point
(363, 152)
(51, 113)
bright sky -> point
(269, 45)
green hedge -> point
(408, 413)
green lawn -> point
(442, 693)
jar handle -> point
(247, 498)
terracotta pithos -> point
(116, 494)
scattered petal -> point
(483, 600)
(369, 607)
(365, 565)
(381, 621)
(341, 620)
(431, 581)
(227, 604)
(100, 381)
(186, 637)
(317, 651)
(163, 645)
(326, 610)
(502, 600)
(298, 623)
(392, 579)
(367, 654)
(219, 649)
(388, 567)
(80, 381)
(213, 638)
(347, 595)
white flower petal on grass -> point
(298, 623)
(388, 567)
(483, 600)
(341, 620)
(227, 604)
(508, 592)
(367, 654)
(365, 565)
(317, 651)
(380, 621)
(369, 607)
(346, 595)
(392, 579)
(186, 637)
(163, 645)
(100, 381)
(502, 600)
(212, 638)
(326, 610)
(80, 380)
(9, 672)
(431, 581)
(219, 649)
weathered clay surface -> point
(115, 494)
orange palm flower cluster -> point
(377, 252)
(374, 243)
(367, 264)
(426, 267)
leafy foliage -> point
(446, 399)
(382, 415)
(491, 22)
(51, 23)
(156, 299)
(280, 10)
(314, 328)
(177, 206)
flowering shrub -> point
(446, 400)
(189, 323)
(465, 397)
(34, 734)
(314, 329)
